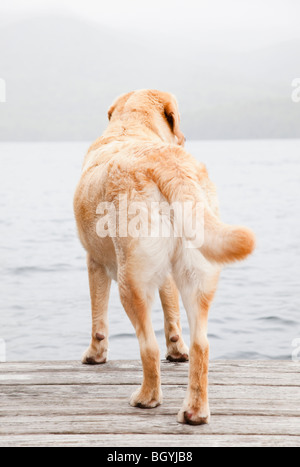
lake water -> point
(44, 299)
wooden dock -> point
(253, 403)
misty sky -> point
(238, 24)
(229, 62)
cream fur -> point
(141, 155)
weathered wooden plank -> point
(46, 379)
(149, 422)
(226, 366)
(98, 391)
(104, 376)
(90, 406)
(144, 440)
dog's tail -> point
(225, 243)
(220, 243)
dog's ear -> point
(120, 103)
(111, 111)
(172, 115)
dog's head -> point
(155, 109)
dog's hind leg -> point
(137, 303)
(177, 351)
(99, 289)
(195, 410)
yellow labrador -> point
(131, 175)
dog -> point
(140, 158)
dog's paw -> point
(193, 417)
(177, 350)
(146, 399)
(92, 356)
